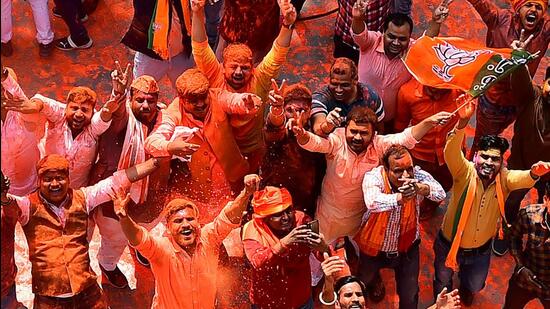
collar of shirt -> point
(58, 210)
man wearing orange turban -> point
(526, 20)
(278, 242)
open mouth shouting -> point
(531, 20)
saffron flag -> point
(456, 63)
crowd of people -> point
(274, 195)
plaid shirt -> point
(377, 10)
(536, 253)
(378, 201)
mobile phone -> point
(314, 226)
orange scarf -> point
(160, 26)
(464, 214)
(372, 235)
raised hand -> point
(119, 78)
(251, 184)
(288, 11)
(449, 300)
(540, 168)
(197, 5)
(331, 266)
(252, 102)
(466, 107)
(276, 94)
(522, 42)
(440, 118)
(296, 124)
(113, 104)
(22, 105)
(334, 117)
(441, 12)
(359, 9)
(120, 202)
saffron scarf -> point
(133, 152)
(160, 26)
(372, 235)
(463, 213)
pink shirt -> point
(340, 206)
(20, 136)
(80, 151)
(385, 75)
(184, 281)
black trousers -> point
(71, 11)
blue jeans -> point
(406, 268)
(10, 300)
(473, 267)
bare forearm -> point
(142, 170)
(238, 206)
(284, 37)
(131, 230)
(357, 25)
(198, 28)
(418, 131)
(433, 29)
(462, 123)
(328, 294)
(276, 117)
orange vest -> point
(59, 255)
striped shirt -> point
(533, 221)
(377, 201)
(323, 102)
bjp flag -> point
(457, 63)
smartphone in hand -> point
(314, 226)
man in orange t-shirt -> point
(416, 102)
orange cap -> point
(271, 200)
(517, 4)
(145, 84)
(52, 162)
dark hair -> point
(297, 92)
(342, 66)
(487, 142)
(547, 75)
(394, 150)
(547, 189)
(362, 115)
(346, 280)
(398, 19)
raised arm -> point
(237, 103)
(235, 211)
(133, 232)
(439, 15)
(487, 10)
(420, 129)
(202, 52)
(454, 157)
(375, 198)
(101, 192)
(53, 111)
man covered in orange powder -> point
(216, 166)
(278, 242)
(185, 259)
(238, 74)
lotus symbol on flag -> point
(451, 57)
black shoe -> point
(376, 289)
(114, 277)
(141, 259)
(7, 49)
(57, 13)
(466, 297)
(500, 247)
(67, 43)
(45, 50)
